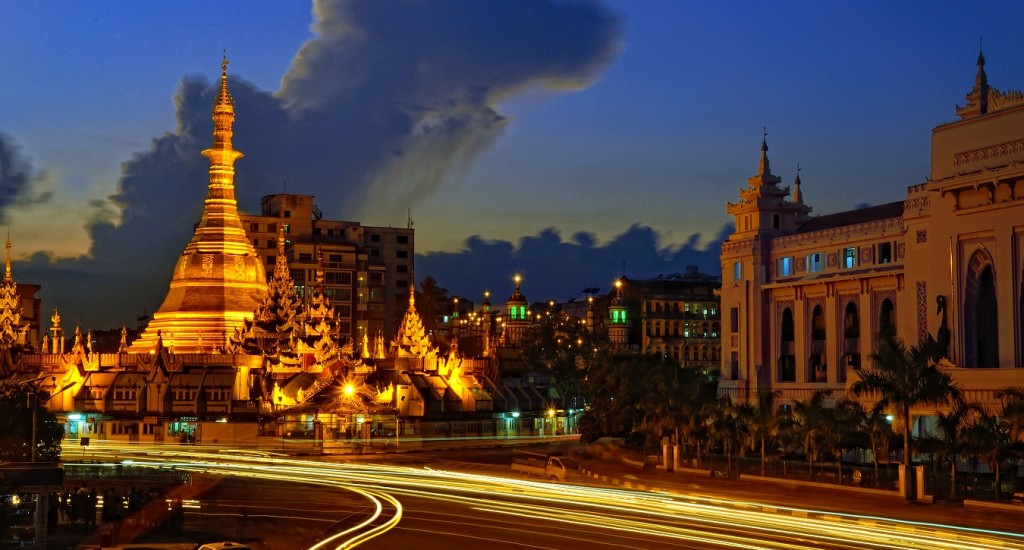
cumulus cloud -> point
(553, 268)
(17, 179)
(385, 99)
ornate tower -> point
(218, 280)
(618, 319)
(517, 321)
(12, 331)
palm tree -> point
(903, 379)
(1012, 415)
(761, 420)
(847, 421)
(875, 423)
(951, 438)
(989, 440)
(813, 424)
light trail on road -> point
(607, 513)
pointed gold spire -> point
(7, 269)
(281, 270)
(219, 279)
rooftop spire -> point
(281, 270)
(7, 270)
(977, 98)
(762, 166)
(798, 197)
(219, 279)
(764, 174)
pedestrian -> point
(90, 509)
(65, 506)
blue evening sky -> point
(664, 137)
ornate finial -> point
(798, 197)
(981, 51)
(763, 168)
(123, 347)
(224, 63)
(280, 233)
(412, 294)
(7, 272)
(55, 319)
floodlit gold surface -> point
(219, 279)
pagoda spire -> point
(219, 279)
(764, 174)
(281, 270)
(798, 197)
(762, 165)
(977, 98)
(7, 267)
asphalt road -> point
(430, 500)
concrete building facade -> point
(804, 298)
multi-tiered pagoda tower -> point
(219, 280)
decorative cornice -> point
(737, 246)
(988, 153)
(843, 232)
(917, 204)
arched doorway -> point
(851, 338)
(981, 319)
(817, 369)
(787, 348)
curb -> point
(835, 517)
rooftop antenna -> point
(408, 223)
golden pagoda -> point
(412, 339)
(219, 279)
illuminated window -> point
(814, 262)
(786, 266)
(849, 258)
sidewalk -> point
(809, 501)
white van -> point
(546, 466)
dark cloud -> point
(16, 180)
(385, 99)
(558, 269)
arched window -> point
(786, 370)
(981, 321)
(851, 338)
(817, 370)
(887, 318)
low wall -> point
(800, 483)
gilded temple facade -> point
(252, 341)
(803, 299)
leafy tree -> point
(16, 426)
(905, 378)
(433, 302)
(564, 347)
(615, 389)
